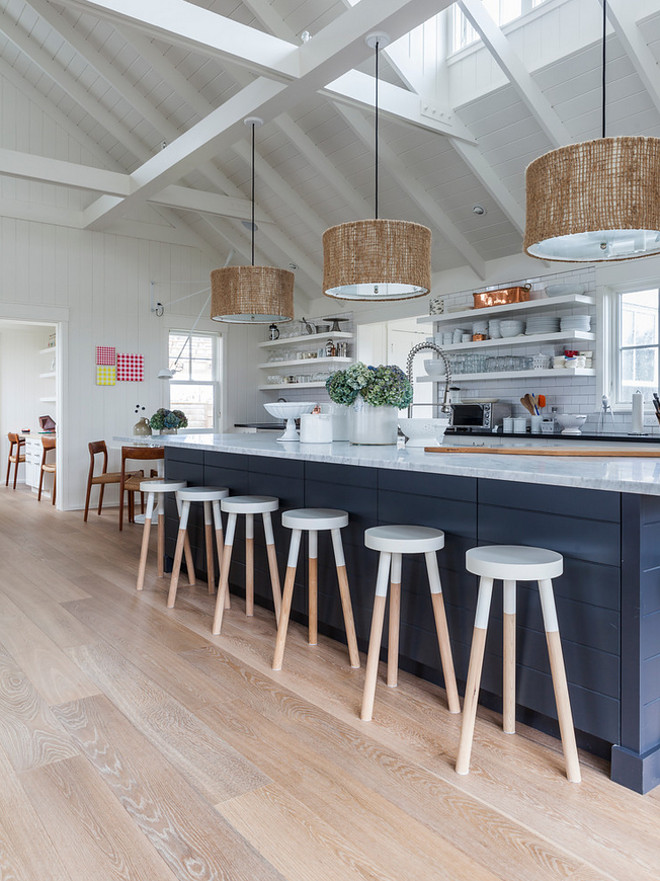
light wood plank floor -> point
(134, 745)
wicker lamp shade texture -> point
(377, 260)
(251, 294)
(595, 201)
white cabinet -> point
(520, 310)
(299, 359)
(33, 451)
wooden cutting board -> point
(541, 451)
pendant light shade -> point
(377, 259)
(251, 294)
(597, 201)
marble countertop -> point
(616, 475)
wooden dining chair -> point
(15, 440)
(105, 477)
(130, 481)
(48, 443)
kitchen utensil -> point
(534, 404)
(527, 405)
(335, 326)
(540, 400)
(541, 451)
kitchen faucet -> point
(430, 347)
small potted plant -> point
(375, 395)
(168, 421)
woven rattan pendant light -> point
(252, 294)
(377, 259)
(596, 201)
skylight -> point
(501, 11)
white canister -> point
(519, 424)
(315, 428)
(507, 425)
(536, 424)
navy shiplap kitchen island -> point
(603, 515)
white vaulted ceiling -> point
(143, 102)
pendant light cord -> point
(604, 84)
(376, 137)
(252, 194)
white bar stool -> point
(210, 497)
(393, 542)
(248, 506)
(512, 563)
(313, 520)
(160, 488)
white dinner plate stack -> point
(511, 327)
(542, 324)
(576, 322)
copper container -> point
(477, 337)
(502, 297)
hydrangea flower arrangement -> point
(383, 386)
(163, 418)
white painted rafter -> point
(337, 48)
(415, 190)
(520, 78)
(625, 27)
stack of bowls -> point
(494, 329)
(511, 327)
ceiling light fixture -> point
(252, 294)
(479, 210)
(598, 201)
(377, 259)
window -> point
(637, 343)
(194, 388)
(501, 11)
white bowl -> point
(562, 290)
(289, 410)
(422, 432)
(570, 423)
(434, 366)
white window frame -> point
(611, 347)
(527, 8)
(214, 383)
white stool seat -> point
(404, 539)
(162, 486)
(250, 504)
(203, 493)
(514, 562)
(315, 518)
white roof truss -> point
(621, 18)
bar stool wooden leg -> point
(312, 598)
(287, 596)
(474, 675)
(178, 553)
(442, 632)
(219, 543)
(394, 622)
(208, 538)
(190, 566)
(373, 655)
(559, 682)
(272, 564)
(345, 595)
(509, 670)
(249, 565)
(223, 589)
(161, 534)
(145, 541)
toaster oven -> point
(475, 417)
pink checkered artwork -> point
(130, 368)
(106, 355)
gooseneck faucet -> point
(430, 347)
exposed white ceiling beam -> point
(196, 28)
(415, 190)
(336, 49)
(57, 171)
(359, 88)
(188, 199)
(519, 77)
(625, 27)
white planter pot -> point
(372, 425)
